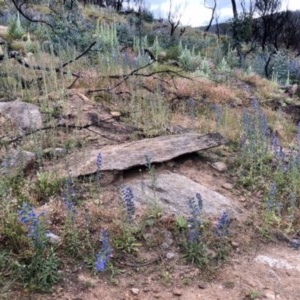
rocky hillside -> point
(139, 165)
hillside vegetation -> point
(80, 82)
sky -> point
(193, 12)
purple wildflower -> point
(127, 197)
(192, 107)
(69, 197)
(194, 220)
(31, 220)
(218, 111)
(99, 165)
(99, 162)
(103, 257)
(223, 225)
(272, 204)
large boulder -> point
(171, 192)
(23, 117)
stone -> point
(18, 161)
(274, 275)
(79, 110)
(234, 244)
(116, 114)
(133, 154)
(170, 255)
(177, 292)
(165, 246)
(219, 166)
(270, 295)
(227, 186)
(171, 193)
(135, 291)
(202, 285)
(275, 262)
(54, 152)
(53, 238)
(26, 117)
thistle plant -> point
(103, 257)
(15, 29)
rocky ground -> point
(185, 163)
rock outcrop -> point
(23, 117)
(128, 155)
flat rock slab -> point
(171, 192)
(280, 257)
(128, 155)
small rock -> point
(234, 244)
(50, 152)
(227, 186)
(188, 163)
(202, 285)
(165, 246)
(274, 275)
(170, 255)
(135, 291)
(177, 292)
(270, 295)
(115, 114)
(273, 262)
(219, 166)
(53, 238)
(170, 164)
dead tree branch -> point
(21, 137)
(213, 10)
(20, 10)
(135, 73)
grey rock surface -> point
(278, 263)
(127, 155)
(172, 191)
(18, 161)
(25, 116)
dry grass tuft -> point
(265, 89)
(203, 88)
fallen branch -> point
(135, 73)
(58, 69)
(20, 137)
(19, 9)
